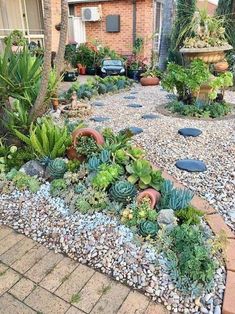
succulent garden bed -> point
(109, 207)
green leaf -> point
(133, 179)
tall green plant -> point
(226, 8)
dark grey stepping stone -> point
(150, 116)
(99, 119)
(191, 165)
(97, 104)
(134, 106)
(129, 97)
(190, 132)
(133, 93)
(135, 130)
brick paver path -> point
(34, 279)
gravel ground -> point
(164, 146)
(101, 242)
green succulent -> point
(106, 175)
(156, 180)
(172, 198)
(22, 181)
(121, 156)
(79, 188)
(136, 152)
(86, 146)
(57, 186)
(104, 156)
(140, 171)
(45, 160)
(92, 200)
(57, 168)
(122, 191)
(93, 163)
(148, 229)
(73, 165)
(189, 216)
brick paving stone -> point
(217, 224)
(98, 284)
(10, 240)
(43, 301)
(135, 303)
(111, 301)
(154, 308)
(30, 258)
(230, 255)
(59, 274)
(10, 305)
(3, 268)
(17, 251)
(77, 279)
(74, 310)
(8, 279)
(42, 268)
(5, 231)
(229, 299)
(22, 288)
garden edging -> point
(217, 224)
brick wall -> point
(122, 41)
(210, 7)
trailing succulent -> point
(56, 168)
(22, 181)
(122, 192)
(172, 198)
(148, 229)
(57, 187)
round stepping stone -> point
(134, 130)
(150, 116)
(134, 106)
(191, 165)
(190, 132)
(133, 93)
(99, 119)
(129, 97)
(97, 104)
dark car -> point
(112, 67)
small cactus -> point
(56, 168)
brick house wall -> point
(55, 7)
(122, 41)
(210, 7)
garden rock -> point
(134, 130)
(97, 104)
(134, 106)
(191, 165)
(129, 97)
(99, 119)
(150, 116)
(33, 168)
(166, 218)
(190, 132)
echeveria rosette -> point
(156, 180)
(57, 168)
(148, 228)
(122, 191)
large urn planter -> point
(208, 55)
(149, 81)
(72, 153)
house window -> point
(24, 15)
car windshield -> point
(112, 62)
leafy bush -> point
(191, 262)
(46, 138)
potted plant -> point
(135, 67)
(150, 77)
(206, 39)
(16, 39)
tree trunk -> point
(168, 14)
(63, 37)
(39, 107)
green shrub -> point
(46, 139)
(22, 181)
(189, 216)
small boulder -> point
(33, 168)
(166, 218)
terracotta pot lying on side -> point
(152, 194)
(148, 81)
(71, 151)
(221, 66)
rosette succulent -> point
(148, 229)
(79, 188)
(57, 168)
(123, 192)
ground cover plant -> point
(109, 178)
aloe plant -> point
(46, 139)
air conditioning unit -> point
(91, 14)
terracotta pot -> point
(55, 103)
(221, 66)
(72, 153)
(152, 194)
(148, 81)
